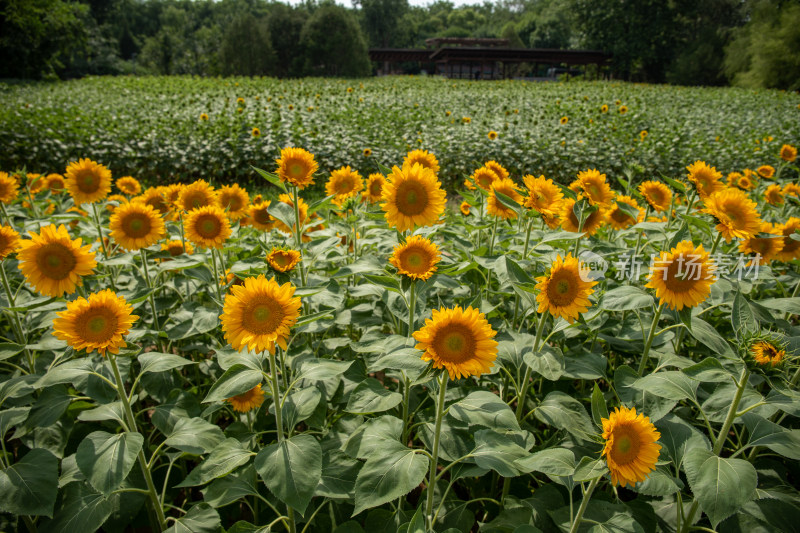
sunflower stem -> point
(526, 381)
(217, 279)
(17, 322)
(412, 304)
(435, 451)
(298, 233)
(99, 230)
(276, 402)
(584, 503)
(151, 297)
(650, 336)
(151, 488)
(716, 243)
(5, 215)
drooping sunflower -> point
(9, 188)
(136, 225)
(595, 187)
(95, 324)
(283, 260)
(259, 314)
(656, 194)
(767, 248)
(259, 216)
(416, 258)
(570, 222)
(374, 188)
(88, 182)
(344, 183)
(129, 185)
(55, 183)
(412, 197)
(497, 208)
(458, 340)
(766, 171)
(233, 200)
(207, 227)
(618, 218)
(53, 263)
(767, 354)
(706, 179)
(423, 158)
(302, 207)
(735, 213)
(465, 208)
(683, 276)
(631, 448)
(9, 241)
(544, 196)
(791, 189)
(247, 401)
(175, 248)
(564, 291)
(498, 169)
(484, 177)
(791, 247)
(788, 153)
(195, 195)
(296, 166)
(773, 195)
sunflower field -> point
(317, 350)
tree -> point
(381, 22)
(285, 26)
(246, 48)
(334, 43)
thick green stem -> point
(217, 278)
(151, 297)
(276, 401)
(412, 303)
(716, 243)
(435, 451)
(99, 230)
(298, 233)
(650, 336)
(151, 488)
(584, 503)
(526, 381)
(17, 322)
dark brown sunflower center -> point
(563, 288)
(261, 216)
(415, 260)
(281, 259)
(454, 343)
(262, 317)
(412, 198)
(56, 261)
(195, 199)
(375, 188)
(97, 325)
(136, 225)
(87, 182)
(683, 274)
(175, 250)
(231, 201)
(626, 445)
(208, 226)
(297, 169)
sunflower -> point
(259, 216)
(792, 189)
(733, 178)
(745, 183)
(129, 185)
(484, 177)
(683, 276)
(492, 135)
(35, 183)
(302, 207)
(458, 340)
(283, 260)
(136, 225)
(643, 135)
(247, 401)
(55, 183)
(570, 222)
(791, 247)
(604, 108)
(155, 197)
(735, 213)
(657, 195)
(465, 208)
(423, 158)
(595, 187)
(54, 263)
(623, 109)
(9, 188)
(631, 447)
(175, 248)
(766, 171)
(416, 258)
(563, 120)
(495, 207)
(207, 227)
(618, 218)
(233, 200)
(374, 188)
(204, 116)
(196, 194)
(115, 200)
(95, 324)
(171, 193)
(765, 353)
(259, 314)
(9, 241)
(296, 166)
(497, 168)
(553, 220)
(543, 195)
(706, 179)
(343, 184)
(466, 120)
(788, 153)
(566, 288)
(412, 197)
(774, 195)
(767, 248)
(469, 185)
(88, 182)
(255, 132)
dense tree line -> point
(754, 43)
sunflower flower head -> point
(773, 195)
(344, 183)
(9, 241)
(247, 401)
(53, 263)
(97, 323)
(136, 225)
(631, 446)
(496, 207)
(706, 179)
(735, 214)
(9, 188)
(766, 353)
(656, 194)
(374, 188)
(233, 200)
(766, 171)
(416, 258)
(570, 222)
(788, 153)
(498, 169)
(791, 247)
(465, 208)
(422, 158)
(195, 195)
(296, 166)
(683, 276)
(619, 218)
(483, 177)
(259, 216)
(564, 291)
(766, 245)
(595, 188)
(128, 185)
(207, 227)
(55, 183)
(412, 197)
(544, 196)
(283, 259)
(88, 182)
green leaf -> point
(195, 436)
(30, 486)
(498, 452)
(565, 412)
(482, 408)
(222, 460)
(238, 379)
(709, 370)
(659, 483)
(705, 333)
(272, 178)
(9, 349)
(66, 372)
(720, 485)
(46, 411)
(231, 487)
(682, 234)
(780, 440)
(670, 384)
(742, 317)
(548, 362)
(784, 305)
(588, 469)
(373, 434)
(370, 396)
(201, 518)
(322, 369)
(283, 212)
(299, 405)
(106, 459)
(291, 469)
(626, 298)
(391, 472)
(339, 473)
(83, 510)
(10, 418)
(551, 461)
(599, 407)
(161, 362)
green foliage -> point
(334, 43)
(247, 48)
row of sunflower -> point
(421, 376)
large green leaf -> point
(370, 396)
(565, 412)
(231, 487)
(498, 452)
(161, 362)
(763, 432)
(202, 518)
(551, 461)
(106, 459)
(720, 485)
(373, 434)
(195, 436)
(291, 469)
(29, 487)
(82, 510)
(705, 333)
(222, 460)
(320, 369)
(548, 362)
(670, 384)
(238, 379)
(389, 473)
(47, 410)
(483, 408)
(626, 298)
